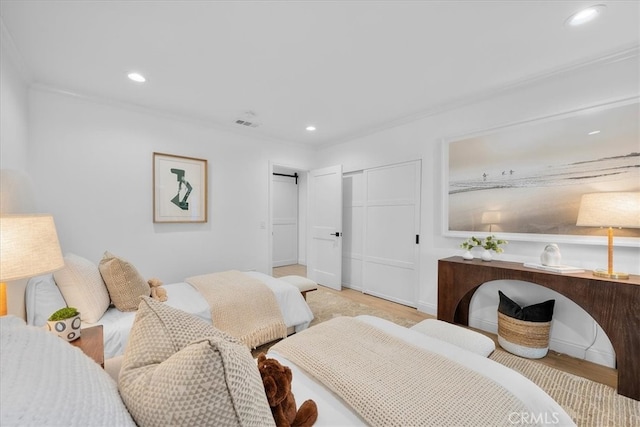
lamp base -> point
(3, 299)
(613, 275)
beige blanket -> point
(389, 382)
(242, 306)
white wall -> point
(16, 190)
(422, 139)
(91, 163)
(13, 113)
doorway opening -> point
(288, 216)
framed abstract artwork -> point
(179, 188)
(525, 181)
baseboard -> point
(429, 308)
(601, 357)
(352, 287)
(390, 298)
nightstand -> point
(91, 343)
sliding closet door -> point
(391, 229)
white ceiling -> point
(349, 68)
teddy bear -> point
(157, 291)
(276, 379)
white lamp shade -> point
(28, 246)
(619, 209)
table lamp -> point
(28, 247)
(616, 209)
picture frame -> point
(179, 189)
(524, 181)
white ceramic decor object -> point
(551, 255)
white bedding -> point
(117, 324)
(333, 411)
(43, 298)
(46, 381)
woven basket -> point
(523, 338)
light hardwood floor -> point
(554, 359)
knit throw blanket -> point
(242, 306)
(389, 382)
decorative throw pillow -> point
(524, 331)
(82, 287)
(542, 312)
(124, 283)
(180, 370)
(42, 297)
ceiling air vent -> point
(246, 123)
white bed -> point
(42, 298)
(525, 403)
(334, 411)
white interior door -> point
(324, 260)
(391, 230)
(285, 221)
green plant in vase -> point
(65, 323)
(489, 243)
(64, 313)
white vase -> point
(68, 329)
(467, 256)
(486, 255)
(551, 255)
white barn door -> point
(324, 261)
(285, 221)
(391, 229)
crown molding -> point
(623, 54)
(164, 114)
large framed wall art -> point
(179, 188)
(525, 181)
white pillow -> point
(457, 335)
(42, 298)
(82, 287)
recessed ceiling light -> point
(311, 128)
(137, 77)
(585, 15)
(594, 132)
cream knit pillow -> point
(180, 370)
(82, 287)
(123, 281)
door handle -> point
(337, 234)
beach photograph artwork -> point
(529, 178)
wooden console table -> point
(614, 304)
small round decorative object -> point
(68, 329)
(551, 255)
(467, 256)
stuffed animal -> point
(277, 385)
(157, 291)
